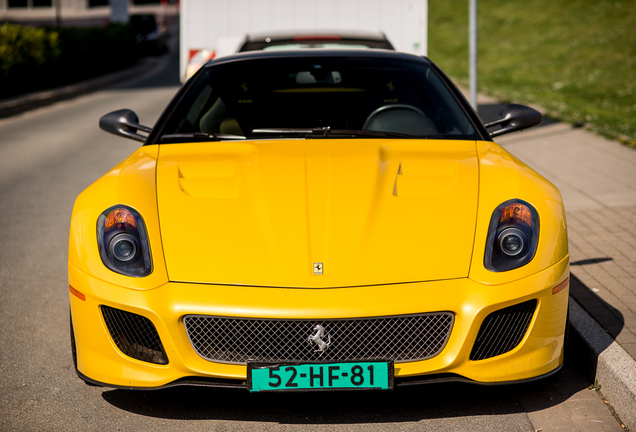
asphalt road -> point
(47, 157)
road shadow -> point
(404, 404)
(590, 261)
(607, 316)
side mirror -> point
(124, 123)
(513, 118)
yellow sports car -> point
(311, 220)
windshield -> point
(331, 97)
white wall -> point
(205, 22)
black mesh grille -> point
(503, 330)
(237, 340)
(134, 335)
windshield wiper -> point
(326, 131)
(201, 136)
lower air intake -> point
(400, 338)
(135, 335)
(503, 330)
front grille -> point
(503, 330)
(400, 338)
(135, 335)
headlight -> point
(123, 241)
(513, 235)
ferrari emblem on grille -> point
(317, 339)
(318, 267)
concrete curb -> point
(615, 369)
(20, 104)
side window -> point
(455, 120)
(188, 123)
(199, 103)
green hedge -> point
(34, 59)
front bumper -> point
(539, 353)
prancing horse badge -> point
(318, 268)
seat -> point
(217, 120)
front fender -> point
(504, 177)
(132, 183)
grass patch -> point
(576, 60)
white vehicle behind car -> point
(212, 29)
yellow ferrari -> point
(318, 220)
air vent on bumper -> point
(135, 335)
(503, 330)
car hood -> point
(280, 212)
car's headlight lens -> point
(123, 241)
(123, 247)
(513, 235)
(511, 241)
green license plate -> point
(357, 375)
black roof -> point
(313, 53)
(293, 35)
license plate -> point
(357, 375)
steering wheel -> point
(400, 118)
